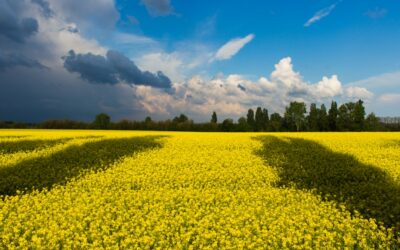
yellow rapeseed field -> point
(170, 190)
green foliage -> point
(259, 120)
(323, 121)
(242, 125)
(227, 125)
(102, 121)
(359, 116)
(180, 119)
(265, 119)
(351, 116)
(372, 123)
(313, 118)
(275, 123)
(214, 118)
(250, 119)
(332, 116)
(295, 116)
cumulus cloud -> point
(158, 7)
(232, 95)
(12, 25)
(328, 87)
(232, 47)
(10, 60)
(112, 69)
(320, 14)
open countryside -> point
(176, 124)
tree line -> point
(349, 116)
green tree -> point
(242, 124)
(275, 122)
(332, 116)
(148, 123)
(295, 116)
(102, 121)
(250, 119)
(344, 118)
(359, 115)
(180, 119)
(372, 123)
(266, 119)
(259, 119)
(227, 125)
(214, 118)
(323, 120)
(313, 117)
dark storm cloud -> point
(34, 95)
(93, 68)
(44, 7)
(112, 69)
(10, 60)
(158, 7)
(12, 26)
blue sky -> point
(133, 58)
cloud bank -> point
(232, 95)
(11, 60)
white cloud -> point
(320, 14)
(389, 98)
(199, 96)
(358, 93)
(328, 87)
(383, 81)
(126, 38)
(285, 74)
(386, 98)
(232, 47)
(187, 59)
(170, 64)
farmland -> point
(159, 190)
